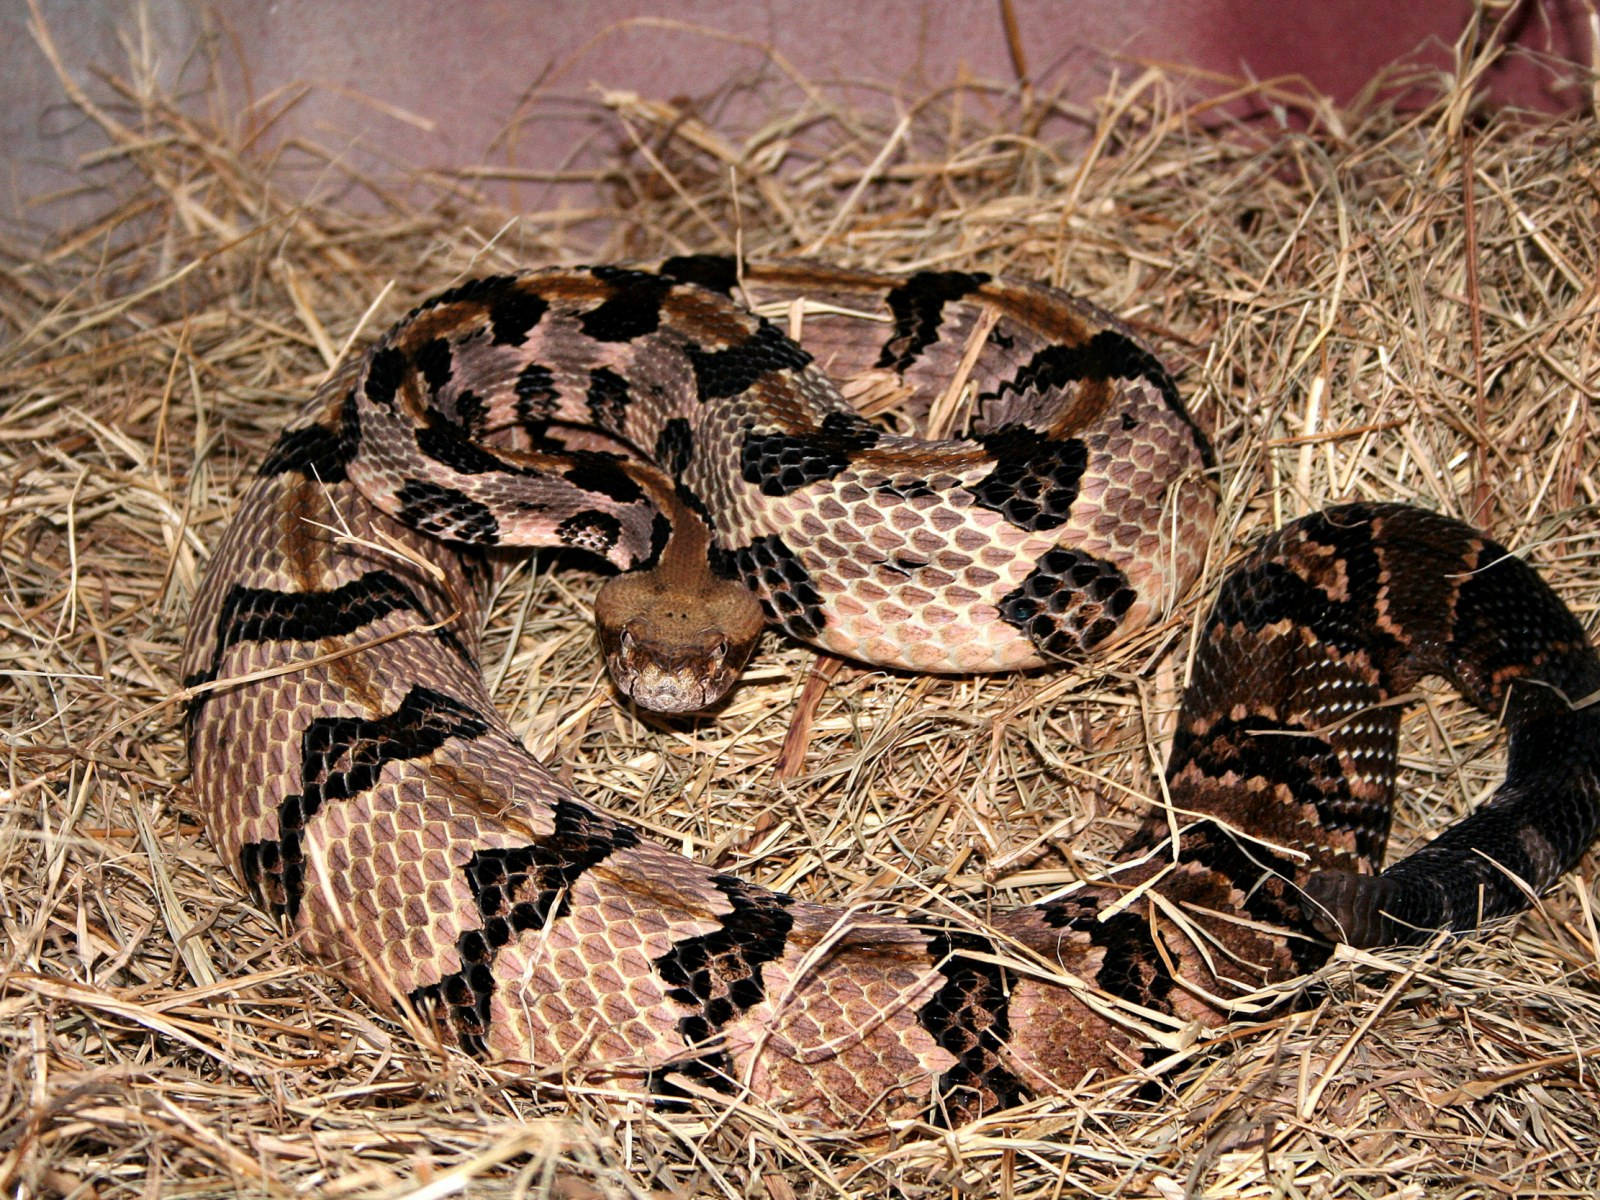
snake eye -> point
(719, 652)
(628, 641)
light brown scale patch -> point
(1324, 569)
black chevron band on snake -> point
(969, 1018)
(718, 976)
(918, 307)
(359, 779)
(312, 451)
(341, 758)
(518, 891)
(250, 614)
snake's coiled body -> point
(348, 758)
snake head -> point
(676, 644)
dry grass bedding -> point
(1359, 302)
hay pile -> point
(1391, 305)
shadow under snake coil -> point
(350, 765)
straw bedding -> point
(1360, 303)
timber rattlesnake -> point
(349, 762)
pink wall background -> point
(412, 83)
